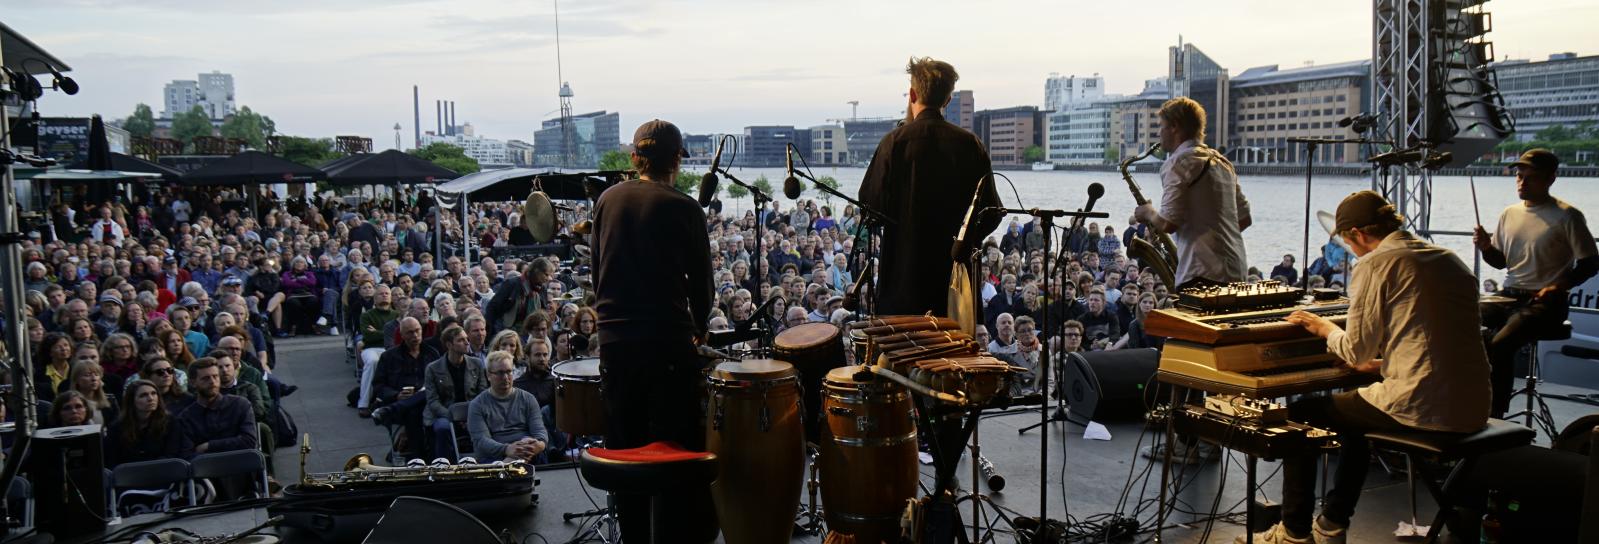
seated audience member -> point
(216, 421)
(456, 377)
(505, 422)
(87, 380)
(145, 432)
(174, 396)
(69, 409)
(397, 381)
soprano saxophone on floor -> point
(1161, 255)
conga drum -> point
(578, 407)
(753, 426)
(868, 455)
(813, 349)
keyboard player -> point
(1414, 305)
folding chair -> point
(459, 434)
(21, 494)
(228, 464)
(150, 477)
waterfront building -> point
(1271, 105)
(1563, 90)
(1079, 134)
(828, 146)
(594, 133)
(519, 152)
(959, 110)
(767, 145)
(1008, 133)
(1195, 75)
(863, 135)
(489, 153)
(1060, 92)
(1135, 122)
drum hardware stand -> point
(978, 498)
(607, 514)
(810, 520)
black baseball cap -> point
(1538, 159)
(658, 138)
(1360, 209)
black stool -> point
(650, 470)
(1537, 410)
(1436, 449)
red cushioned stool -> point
(651, 470)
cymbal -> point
(538, 215)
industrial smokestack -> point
(416, 114)
(452, 117)
(438, 105)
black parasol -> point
(251, 167)
(392, 167)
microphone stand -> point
(1310, 166)
(1047, 218)
(872, 220)
(761, 200)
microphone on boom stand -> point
(962, 247)
(708, 181)
(791, 184)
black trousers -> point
(1351, 417)
(652, 393)
(1511, 326)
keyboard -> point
(1268, 383)
(1239, 327)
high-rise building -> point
(1079, 135)
(1195, 75)
(960, 108)
(829, 146)
(1060, 92)
(213, 92)
(1563, 90)
(1009, 132)
(594, 134)
(1270, 105)
(519, 152)
(1135, 120)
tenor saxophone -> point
(1161, 255)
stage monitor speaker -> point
(420, 519)
(1108, 385)
(67, 469)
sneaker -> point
(380, 415)
(1327, 532)
(1277, 534)
(365, 413)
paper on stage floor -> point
(1095, 431)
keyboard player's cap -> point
(1361, 209)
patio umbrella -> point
(132, 165)
(392, 167)
(252, 167)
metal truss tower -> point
(1399, 79)
(568, 131)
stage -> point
(1095, 490)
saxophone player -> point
(1201, 205)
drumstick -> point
(1474, 208)
(926, 325)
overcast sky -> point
(326, 67)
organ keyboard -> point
(1239, 327)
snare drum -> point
(868, 455)
(813, 349)
(579, 410)
(753, 426)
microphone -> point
(1438, 160)
(1095, 191)
(990, 474)
(1398, 157)
(708, 181)
(1360, 122)
(791, 184)
(852, 299)
(958, 252)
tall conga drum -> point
(813, 349)
(753, 426)
(868, 455)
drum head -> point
(580, 369)
(752, 370)
(845, 376)
(805, 336)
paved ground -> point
(1096, 471)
